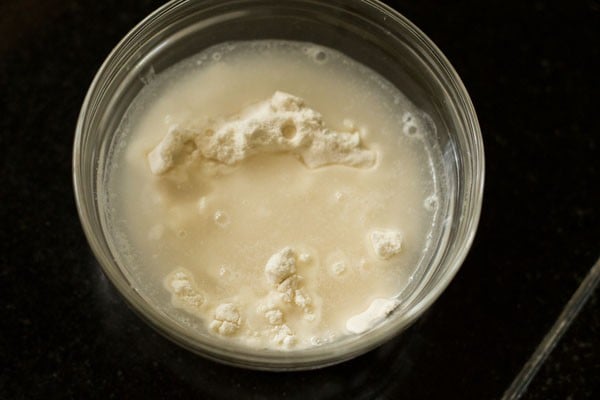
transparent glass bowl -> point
(366, 30)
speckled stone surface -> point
(532, 71)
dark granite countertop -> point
(532, 69)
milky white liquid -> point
(221, 225)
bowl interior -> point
(364, 30)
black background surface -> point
(531, 68)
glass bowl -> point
(366, 30)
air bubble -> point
(410, 129)
(317, 54)
(305, 258)
(407, 117)
(338, 268)
(201, 205)
(431, 203)
(320, 56)
(316, 341)
(148, 76)
(226, 273)
(222, 219)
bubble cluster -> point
(409, 127)
(317, 54)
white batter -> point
(275, 194)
